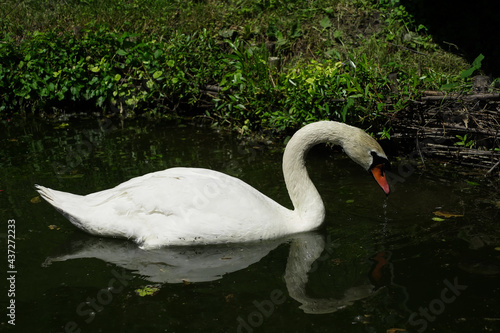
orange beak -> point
(379, 175)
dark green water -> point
(377, 263)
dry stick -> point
(420, 153)
(464, 97)
(492, 168)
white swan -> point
(184, 206)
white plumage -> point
(183, 206)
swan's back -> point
(176, 206)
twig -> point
(463, 97)
(492, 168)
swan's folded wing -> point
(177, 206)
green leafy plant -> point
(465, 142)
(385, 133)
(155, 58)
(476, 65)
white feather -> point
(182, 206)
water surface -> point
(377, 263)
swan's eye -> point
(380, 161)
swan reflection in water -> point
(211, 262)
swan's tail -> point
(70, 205)
(82, 211)
(45, 193)
(57, 199)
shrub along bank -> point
(252, 65)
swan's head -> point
(378, 167)
(364, 150)
(357, 144)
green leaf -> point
(325, 23)
(468, 72)
(61, 125)
(157, 54)
(477, 62)
(171, 63)
(157, 74)
(117, 77)
(121, 52)
(437, 219)
(346, 107)
(449, 86)
(147, 291)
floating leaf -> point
(54, 227)
(61, 125)
(229, 297)
(438, 219)
(36, 200)
(446, 214)
(396, 330)
(349, 201)
(147, 291)
(497, 248)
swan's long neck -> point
(305, 198)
